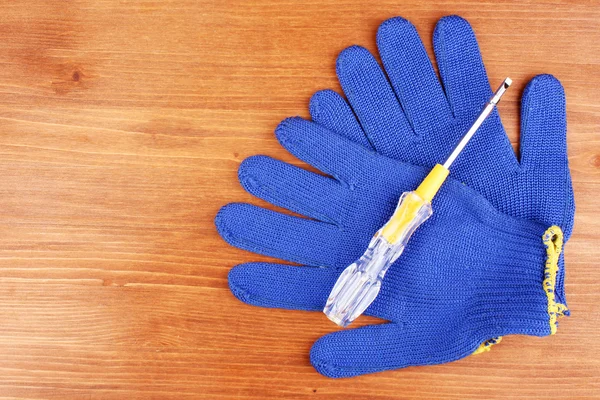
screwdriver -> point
(359, 284)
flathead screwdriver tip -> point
(498, 94)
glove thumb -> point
(383, 347)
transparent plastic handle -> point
(359, 284)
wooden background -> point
(122, 124)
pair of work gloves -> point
(488, 263)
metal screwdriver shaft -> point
(482, 116)
(359, 284)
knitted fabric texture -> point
(412, 118)
(469, 273)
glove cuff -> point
(523, 300)
(553, 241)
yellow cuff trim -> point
(553, 240)
(487, 345)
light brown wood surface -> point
(122, 125)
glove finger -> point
(383, 347)
(544, 124)
(290, 238)
(373, 100)
(282, 286)
(544, 148)
(330, 153)
(361, 351)
(461, 67)
(333, 112)
(412, 76)
(284, 185)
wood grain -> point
(122, 124)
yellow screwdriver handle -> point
(432, 182)
(360, 283)
(409, 213)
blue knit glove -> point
(413, 119)
(469, 273)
